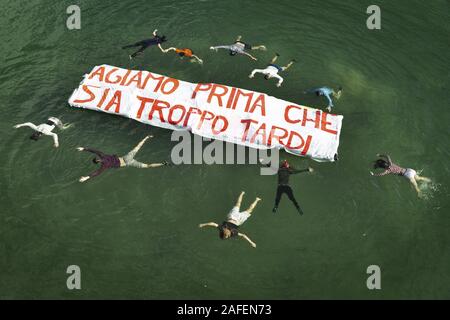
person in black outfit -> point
(284, 173)
(144, 44)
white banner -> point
(211, 110)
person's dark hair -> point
(221, 234)
(381, 163)
(35, 136)
(96, 160)
(232, 53)
(181, 54)
(163, 39)
(266, 77)
(318, 93)
(340, 88)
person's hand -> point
(242, 192)
(278, 85)
(378, 155)
(310, 169)
(149, 137)
(258, 199)
(201, 225)
(83, 179)
(212, 48)
(329, 109)
(253, 244)
(254, 58)
(17, 126)
(56, 145)
(80, 148)
(371, 173)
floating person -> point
(144, 44)
(112, 161)
(284, 173)
(235, 218)
(186, 52)
(45, 129)
(272, 70)
(327, 92)
(240, 47)
(389, 167)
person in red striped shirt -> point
(385, 162)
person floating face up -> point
(235, 218)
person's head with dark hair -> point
(318, 93)
(232, 53)
(162, 39)
(96, 160)
(340, 88)
(36, 135)
(225, 233)
(266, 77)
(381, 163)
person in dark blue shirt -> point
(144, 44)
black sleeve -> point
(97, 172)
(294, 171)
(99, 153)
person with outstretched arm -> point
(144, 44)
(235, 218)
(327, 93)
(185, 52)
(45, 129)
(272, 70)
(239, 47)
(284, 172)
(107, 161)
(385, 162)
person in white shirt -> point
(235, 218)
(45, 129)
(272, 70)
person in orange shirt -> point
(186, 52)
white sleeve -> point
(54, 135)
(280, 79)
(257, 71)
(27, 124)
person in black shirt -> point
(144, 44)
(235, 219)
(284, 173)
